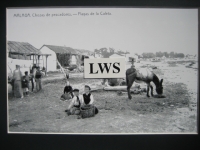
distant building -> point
(117, 55)
(163, 57)
(188, 56)
(97, 55)
(127, 57)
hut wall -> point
(51, 60)
(73, 59)
(25, 65)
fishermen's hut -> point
(66, 56)
(25, 55)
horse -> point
(143, 75)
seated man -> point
(87, 98)
(74, 107)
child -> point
(74, 107)
(25, 86)
(87, 98)
(68, 89)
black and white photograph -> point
(48, 50)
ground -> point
(177, 113)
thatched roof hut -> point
(21, 50)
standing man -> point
(31, 76)
(17, 77)
(38, 76)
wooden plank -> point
(120, 88)
(61, 67)
(46, 65)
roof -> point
(64, 49)
(117, 54)
(61, 49)
(21, 48)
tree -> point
(148, 55)
(106, 53)
(159, 54)
(179, 55)
(171, 54)
(166, 54)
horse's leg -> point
(130, 81)
(148, 90)
(151, 90)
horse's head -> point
(159, 89)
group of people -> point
(20, 83)
(77, 100)
(21, 88)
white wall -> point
(51, 60)
(25, 65)
(73, 59)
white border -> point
(47, 7)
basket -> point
(87, 111)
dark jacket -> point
(38, 74)
(24, 84)
(86, 98)
(68, 89)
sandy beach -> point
(177, 113)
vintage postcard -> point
(102, 70)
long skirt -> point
(18, 89)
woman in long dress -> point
(17, 76)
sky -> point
(136, 30)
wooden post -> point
(33, 59)
(46, 65)
(38, 60)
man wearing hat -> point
(17, 77)
(38, 77)
(75, 104)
